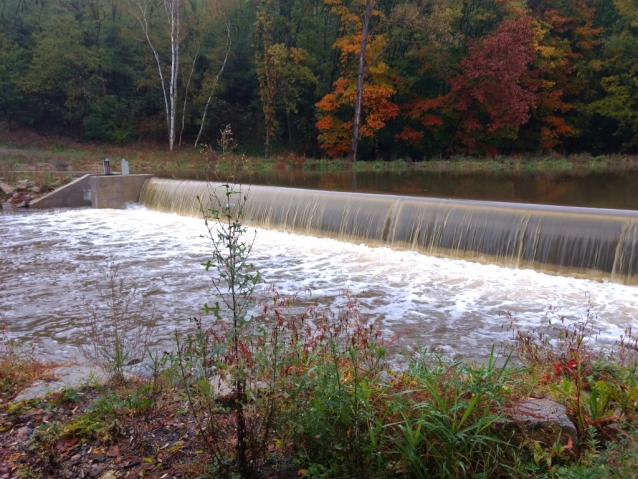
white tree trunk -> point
(172, 13)
(172, 8)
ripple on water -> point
(50, 262)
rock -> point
(542, 420)
(108, 475)
(23, 185)
(24, 433)
(7, 189)
(36, 189)
(64, 377)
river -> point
(51, 261)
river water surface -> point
(595, 189)
(50, 262)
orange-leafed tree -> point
(362, 93)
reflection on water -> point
(51, 260)
(593, 189)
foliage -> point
(377, 108)
(599, 387)
(491, 96)
(561, 70)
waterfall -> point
(581, 242)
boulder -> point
(7, 189)
(542, 420)
(62, 378)
(23, 185)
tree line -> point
(344, 78)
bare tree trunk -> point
(172, 13)
(358, 100)
(212, 90)
(181, 132)
(142, 18)
(172, 8)
(267, 144)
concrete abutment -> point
(98, 191)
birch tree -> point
(143, 10)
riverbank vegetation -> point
(358, 79)
(313, 395)
(277, 390)
(52, 158)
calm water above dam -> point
(51, 260)
(595, 189)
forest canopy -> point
(433, 78)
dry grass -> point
(19, 366)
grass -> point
(19, 366)
(28, 151)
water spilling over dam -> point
(51, 261)
(581, 242)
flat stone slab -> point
(63, 377)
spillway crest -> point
(581, 242)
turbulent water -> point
(50, 262)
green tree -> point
(13, 60)
(63, 74)
(281, 71)
(619, 70)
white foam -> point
(51, 260)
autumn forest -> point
(415, 79)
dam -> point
(581, 242)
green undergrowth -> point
(320, 390)
(326, 397)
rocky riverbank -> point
(19, 192)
